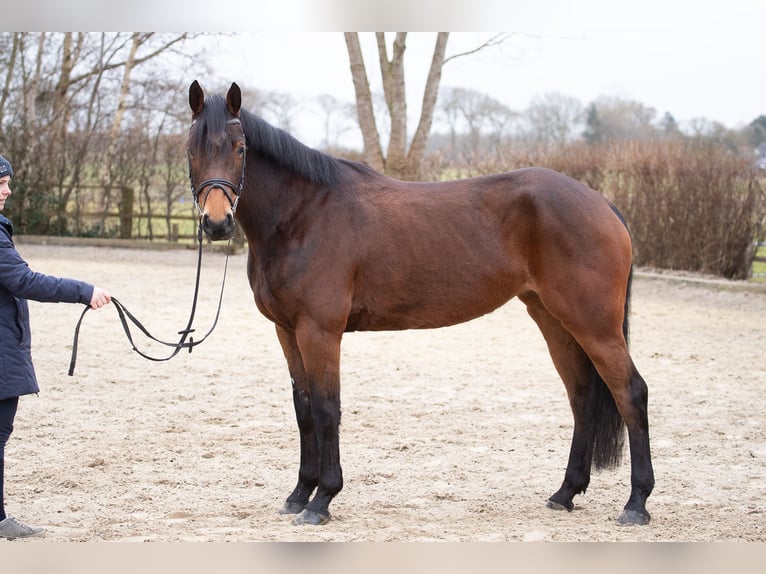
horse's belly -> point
(422, 313)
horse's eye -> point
(241, 151)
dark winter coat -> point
(18, 283)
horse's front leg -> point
(317, 400)
(308, 472)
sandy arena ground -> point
(458, 434)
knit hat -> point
(5, 167)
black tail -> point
(609, 427)
(609, 431)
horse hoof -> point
(291, 508)
(631, 517)
(556, 506)
(310, 517)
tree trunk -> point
(9, 73)
(420, 139)
(62, 112)
(114, 132)
(392, 73)
(373, 152)
(399, 162)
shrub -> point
(690, 206)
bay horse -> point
(334, 247)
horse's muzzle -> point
(217, 230)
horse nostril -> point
(218, 229)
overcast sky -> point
(693, 58)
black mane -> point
(268, 141)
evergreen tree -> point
(593, 129)
(757, 131)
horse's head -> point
(216, 150)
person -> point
(18, 283)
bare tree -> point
(477, 122)
(554, 118)
(373, 151)
(134, 58)
(8, 61)
(65, 100)
(616, 119)
(399, 160)
(336, 119)
(277, 108)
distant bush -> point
(697, 208)
(690, 206)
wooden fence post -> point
(126, 212)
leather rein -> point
(127, 317)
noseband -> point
(229, 189)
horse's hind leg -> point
(631, 395)
(592, 423)
(599, 331)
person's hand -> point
(99, 298)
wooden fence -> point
(759, 260)
(128, 223)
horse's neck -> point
(268, 206)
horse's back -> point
(443, 253)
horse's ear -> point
(234, 99)
(196, 97)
